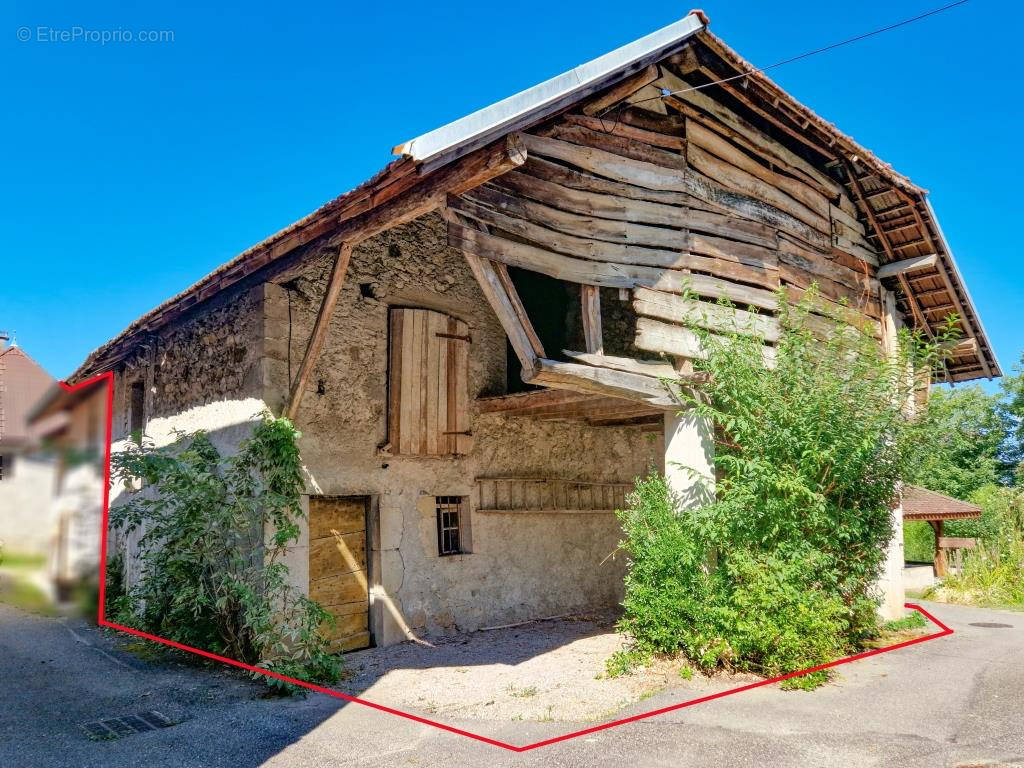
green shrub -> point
(918, 542)
(777, 573)
(214, 530)
(758, 612)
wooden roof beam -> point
(944, 275)
(457, 177)
(496, 285)
(902, 205)
(520, 401)
(906, 265)
(604, 381)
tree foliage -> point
(963, 432)
(213, 531)
(970, 447)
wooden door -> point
(428, 384)
(338, 577)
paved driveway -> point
(956, 701)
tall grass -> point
(990, 576)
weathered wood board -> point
(338, 573)
(428, 402)
(681, 204)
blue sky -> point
(130, 170)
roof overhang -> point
(890, 199)
(899, 219)
(921, 504)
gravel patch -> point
(552, 670)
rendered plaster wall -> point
(26, 522)
(522, 565)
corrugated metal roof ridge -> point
(720, 47)
(658, 39)
(504, 112)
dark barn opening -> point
(550, 304)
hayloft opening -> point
(549, 303)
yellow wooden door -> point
(337, 567)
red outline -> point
(109, 378)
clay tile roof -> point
(22, 382)
(922, 504)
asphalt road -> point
(955, 701)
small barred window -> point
(449, 514)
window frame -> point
(448, 507)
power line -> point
(808, 54)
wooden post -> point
(590, 299)
(939, 560)
(316, 339)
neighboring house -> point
(471, 342)
(72, 426)
(26, 477)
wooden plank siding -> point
(428, 384)
(681, 207)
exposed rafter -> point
(895, 268)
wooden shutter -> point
(428, 386)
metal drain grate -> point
(118, 727)
(991, 625)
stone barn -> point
(473, 341)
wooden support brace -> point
(906, 265)
(590, 300)
(320, 328)
(497, 287)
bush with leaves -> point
(777, 574)
(213, 533)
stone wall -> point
(522, 565)
(218, 368)
(201, 372)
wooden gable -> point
(678, 202)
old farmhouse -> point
(472, 341)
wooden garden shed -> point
(922, 505)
